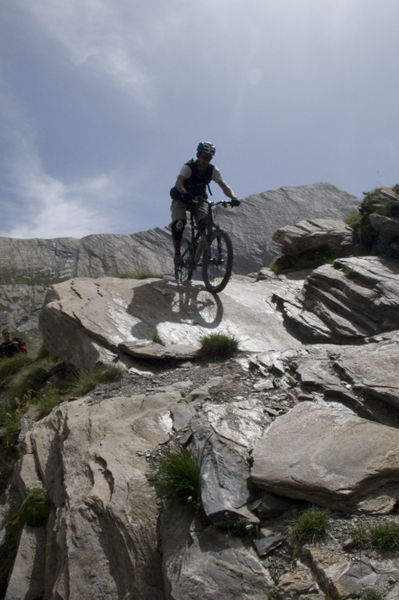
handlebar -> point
(211, 203)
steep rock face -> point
(345, 303)
(28, 267)
(101, 535)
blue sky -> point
(102, 101)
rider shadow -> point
(162, 303)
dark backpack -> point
(196, 183)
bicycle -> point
(209, 243)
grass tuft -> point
(11, 366)
(384, 536)
(35, 508)
(218, 346)
(312, 524)
(85, 384)
(156, 338)
(178, 478)
(50, 399)
(371, 595)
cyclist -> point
(192, 181)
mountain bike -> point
(209, 247)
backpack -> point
(196, 183)
(22, 346)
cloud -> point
(36, 204)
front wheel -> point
(217, 261)
(184, 272)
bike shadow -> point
(165, 306)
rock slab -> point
(329, 456)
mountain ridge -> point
(29, 266)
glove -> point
(187, 197)
(235, 202)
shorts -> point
(179, 209)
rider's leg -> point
(178, 223)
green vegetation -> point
(353, 219)
(348, 272)
(384, 536)
(141, 275)
(36, 384)
(41, 384)
(178, 478)
(218, 346)
(243, 528)
(156, 338)
(312, 524)
(11, 366)
(371, 595)
(35, 508)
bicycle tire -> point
(184, 272)
(217, 261)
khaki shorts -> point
(179, 209)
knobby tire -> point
(217, 261)
(184, 273)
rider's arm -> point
(180, 183)
(226, 189)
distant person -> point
(194, 176)
(11, 346)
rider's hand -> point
(187, 197)
(235, 202)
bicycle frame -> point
(209, 243)
(207, 223)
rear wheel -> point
(217, 261)
(184, 272)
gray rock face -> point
(218, 567)
(329, 456)
(101, 536)
(90, 321)
(28, 267)
(357, 299)
(384, 224)
(93, 455)
(314, 233)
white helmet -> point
(207, 148)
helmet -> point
(206, 147)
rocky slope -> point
(28, 267)
(285, 423)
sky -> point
(103, 101)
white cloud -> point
(59, 210)
(47, 207)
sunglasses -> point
(206, 157)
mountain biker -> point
(194, 176)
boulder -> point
(101, 539)
(327, 455)
(225, 485)
(384, 224)
(218, 566)
(373, 369)
(350, 577)
(90, 321)
(334, 236)
(346, 302)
